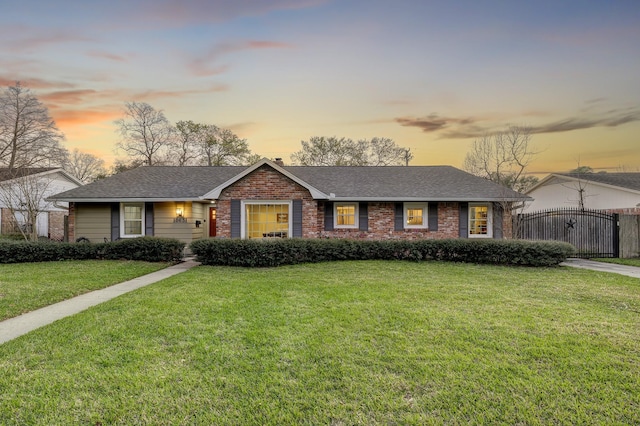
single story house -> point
(25, 190)
(614, 192)
(268, 200)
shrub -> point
(263, 253)
(150, 249)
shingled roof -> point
(9, 174)
(426, 183)
(621, 180)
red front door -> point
(212, 221)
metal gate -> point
(594, 233)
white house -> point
(619, 192)
(26, 189)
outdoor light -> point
(179, 211)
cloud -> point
(179, 12)
(33, 83)
(162, 94)
(70, 117)
(106, 55)
(433, 122)
(578, 123)
(205, 65)
(68, 96)
(36, 39)
(465, 128)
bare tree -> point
(28, 135)
(222, 147)
(385, 152)
(145, 132)
(580, 186)
(24, 197)
(190, 138)
(503, 157)
(333, 151)
(84, 166)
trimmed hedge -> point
(150, 249)
(276, 252)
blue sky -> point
(432, 75)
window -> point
(266, 219)
(131, 220)
(345, 215)
(415, 215)
(480, 221)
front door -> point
(212, 221)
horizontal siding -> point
(93, 221)
(165, 225)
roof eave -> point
(214, 194)
(442, 199)
(123, 199)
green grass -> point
(339, 344)
(629, 262)
(28, 286)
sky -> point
(431, 75)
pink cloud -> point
(106, 55)
(205, 65)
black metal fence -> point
(594, 233)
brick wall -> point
(72, 222)
(381, 224)
(7, 223)
(56, 225)
(269, 185)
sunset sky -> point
(432, 75)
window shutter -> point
(328, 216)
(297, 219)
(148, 218)
(464, 220)
(398, 219)
(363, 216)
(497, 221)
(235, 218)
(115, 221)
(433, 216)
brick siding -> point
(269, 185)
(381, 224)
(56, 225)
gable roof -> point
(7, 174)
(626, 181)
(10, 174)
(389, 183)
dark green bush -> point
(263, 253)
(150, 249)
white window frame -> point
(122, 220)
(489, 233)
(356, 221)
(243, 214)
(425, 215)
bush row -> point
(263, 253)
(150, 249)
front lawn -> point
(28, 286)
(338, 344)
(629, 262)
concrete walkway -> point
(17, 326)
(630, 271)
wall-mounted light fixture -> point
(180, 214)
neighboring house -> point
(270, 200)
(616, 192)
(26, 189)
